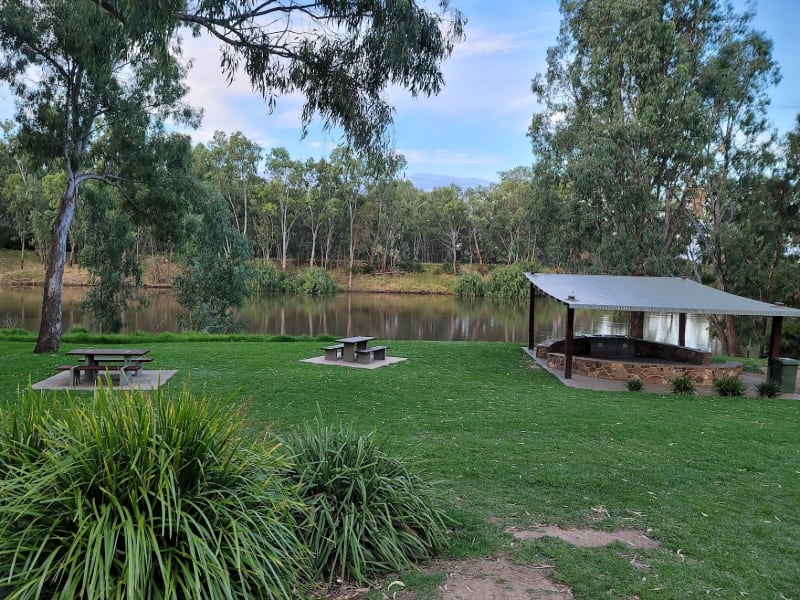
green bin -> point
(783, 371)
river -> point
(385, 316)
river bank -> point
(159, 271)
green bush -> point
(730, 386)
(635, 384)
(317, 282)
(768, 389)
(469, 286)
(509, 283)
(265, 277)
(134, 495)
(683, 385)
(369, 514)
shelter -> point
(648, 294)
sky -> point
(476, 127)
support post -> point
(569, 343)
(682, 329)
(531, 327)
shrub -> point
(509, 283)
(683, 385)
(730, 386)
(369, 514)
(134, 495)
(265, 277)
(768, 389)
(469, 286)
(317, 282)
(635, 384)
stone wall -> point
(653, 373)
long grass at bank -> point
(715, 481)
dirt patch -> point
(500, 579)
(586, 537)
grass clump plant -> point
(369, 512)
(635, 384)
(768, 389)
(730, 386)
(509, 283)
(130, 495)
(682, 385)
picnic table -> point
(351, 345)
(98, 360)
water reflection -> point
(385, 316)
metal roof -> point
(650, 294)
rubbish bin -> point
(783, 371)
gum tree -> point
(81, 66)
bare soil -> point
(499, 578)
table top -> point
(355, 339)
(107, 352)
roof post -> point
(681, 329)
(569, 343)
(531, 327)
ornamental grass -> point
(132, 495)
(369, 513)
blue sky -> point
(475, 128)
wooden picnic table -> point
(96, 360)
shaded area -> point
(145, 380)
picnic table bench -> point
(367, 355)
(76, 370)
(333, 352)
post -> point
(682, 329)
(569, 343)
(531, 327)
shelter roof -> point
(650, 294)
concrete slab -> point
(375, 364)
(577, 380)
(145, 380)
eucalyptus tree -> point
(319, 202)
(76, 74)
(79, 65)
(287, 188)
(452, 217)
(624, 124)
(231, 164)
(352, 172)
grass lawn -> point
(715, 481)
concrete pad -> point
(375, 364)
(145, 380)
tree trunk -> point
(49, 338)
(636, 325)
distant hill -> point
(428, 181)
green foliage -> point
(109, 253)
(411, 266)
(635, 384)
(369, 512)
(768, 389)
(264, 277)
(730, 386)
(215, 277)
(317, 282)
(469, 286)
(683, 385)
(138, 495)
(509, 282)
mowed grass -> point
(716, 481)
